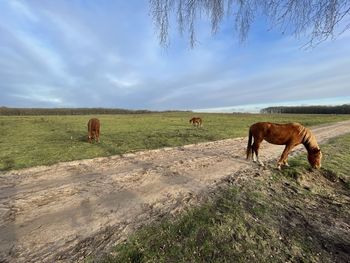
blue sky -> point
(106, 54)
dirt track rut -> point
(64, 211)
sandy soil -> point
(65, 211)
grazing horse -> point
(196, 121)
(93, 130)
(290, 135)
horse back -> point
(93, 125)
(196, 120)
(275, 133)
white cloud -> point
(22, 9)
(121, 82)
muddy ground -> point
(65, 211)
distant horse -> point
(196, 121)
(290, 135)
(93, 130)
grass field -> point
(295, 215)
(28, 141)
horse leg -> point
(285, 162)
(94, 135)
(260, 162)
(284, 157)
(98, 135)
(254, 152)
(255, 147)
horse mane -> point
(309, 140)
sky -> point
(106, 54)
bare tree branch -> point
(318, 20)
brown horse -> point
(196, 121)
(93, 130)
(290, 135)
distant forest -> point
(5, 111)
(341, 109)
(66, 111)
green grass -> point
(270, 218)
(27, 141)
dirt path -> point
(65, 211)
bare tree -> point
(319, 20)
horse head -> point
(314, 156)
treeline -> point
(66, 111)
(341, 109)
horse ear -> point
(317, 150)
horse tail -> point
(249, 146)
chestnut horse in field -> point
(290, 135)
(196, 121)
(93, 130)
